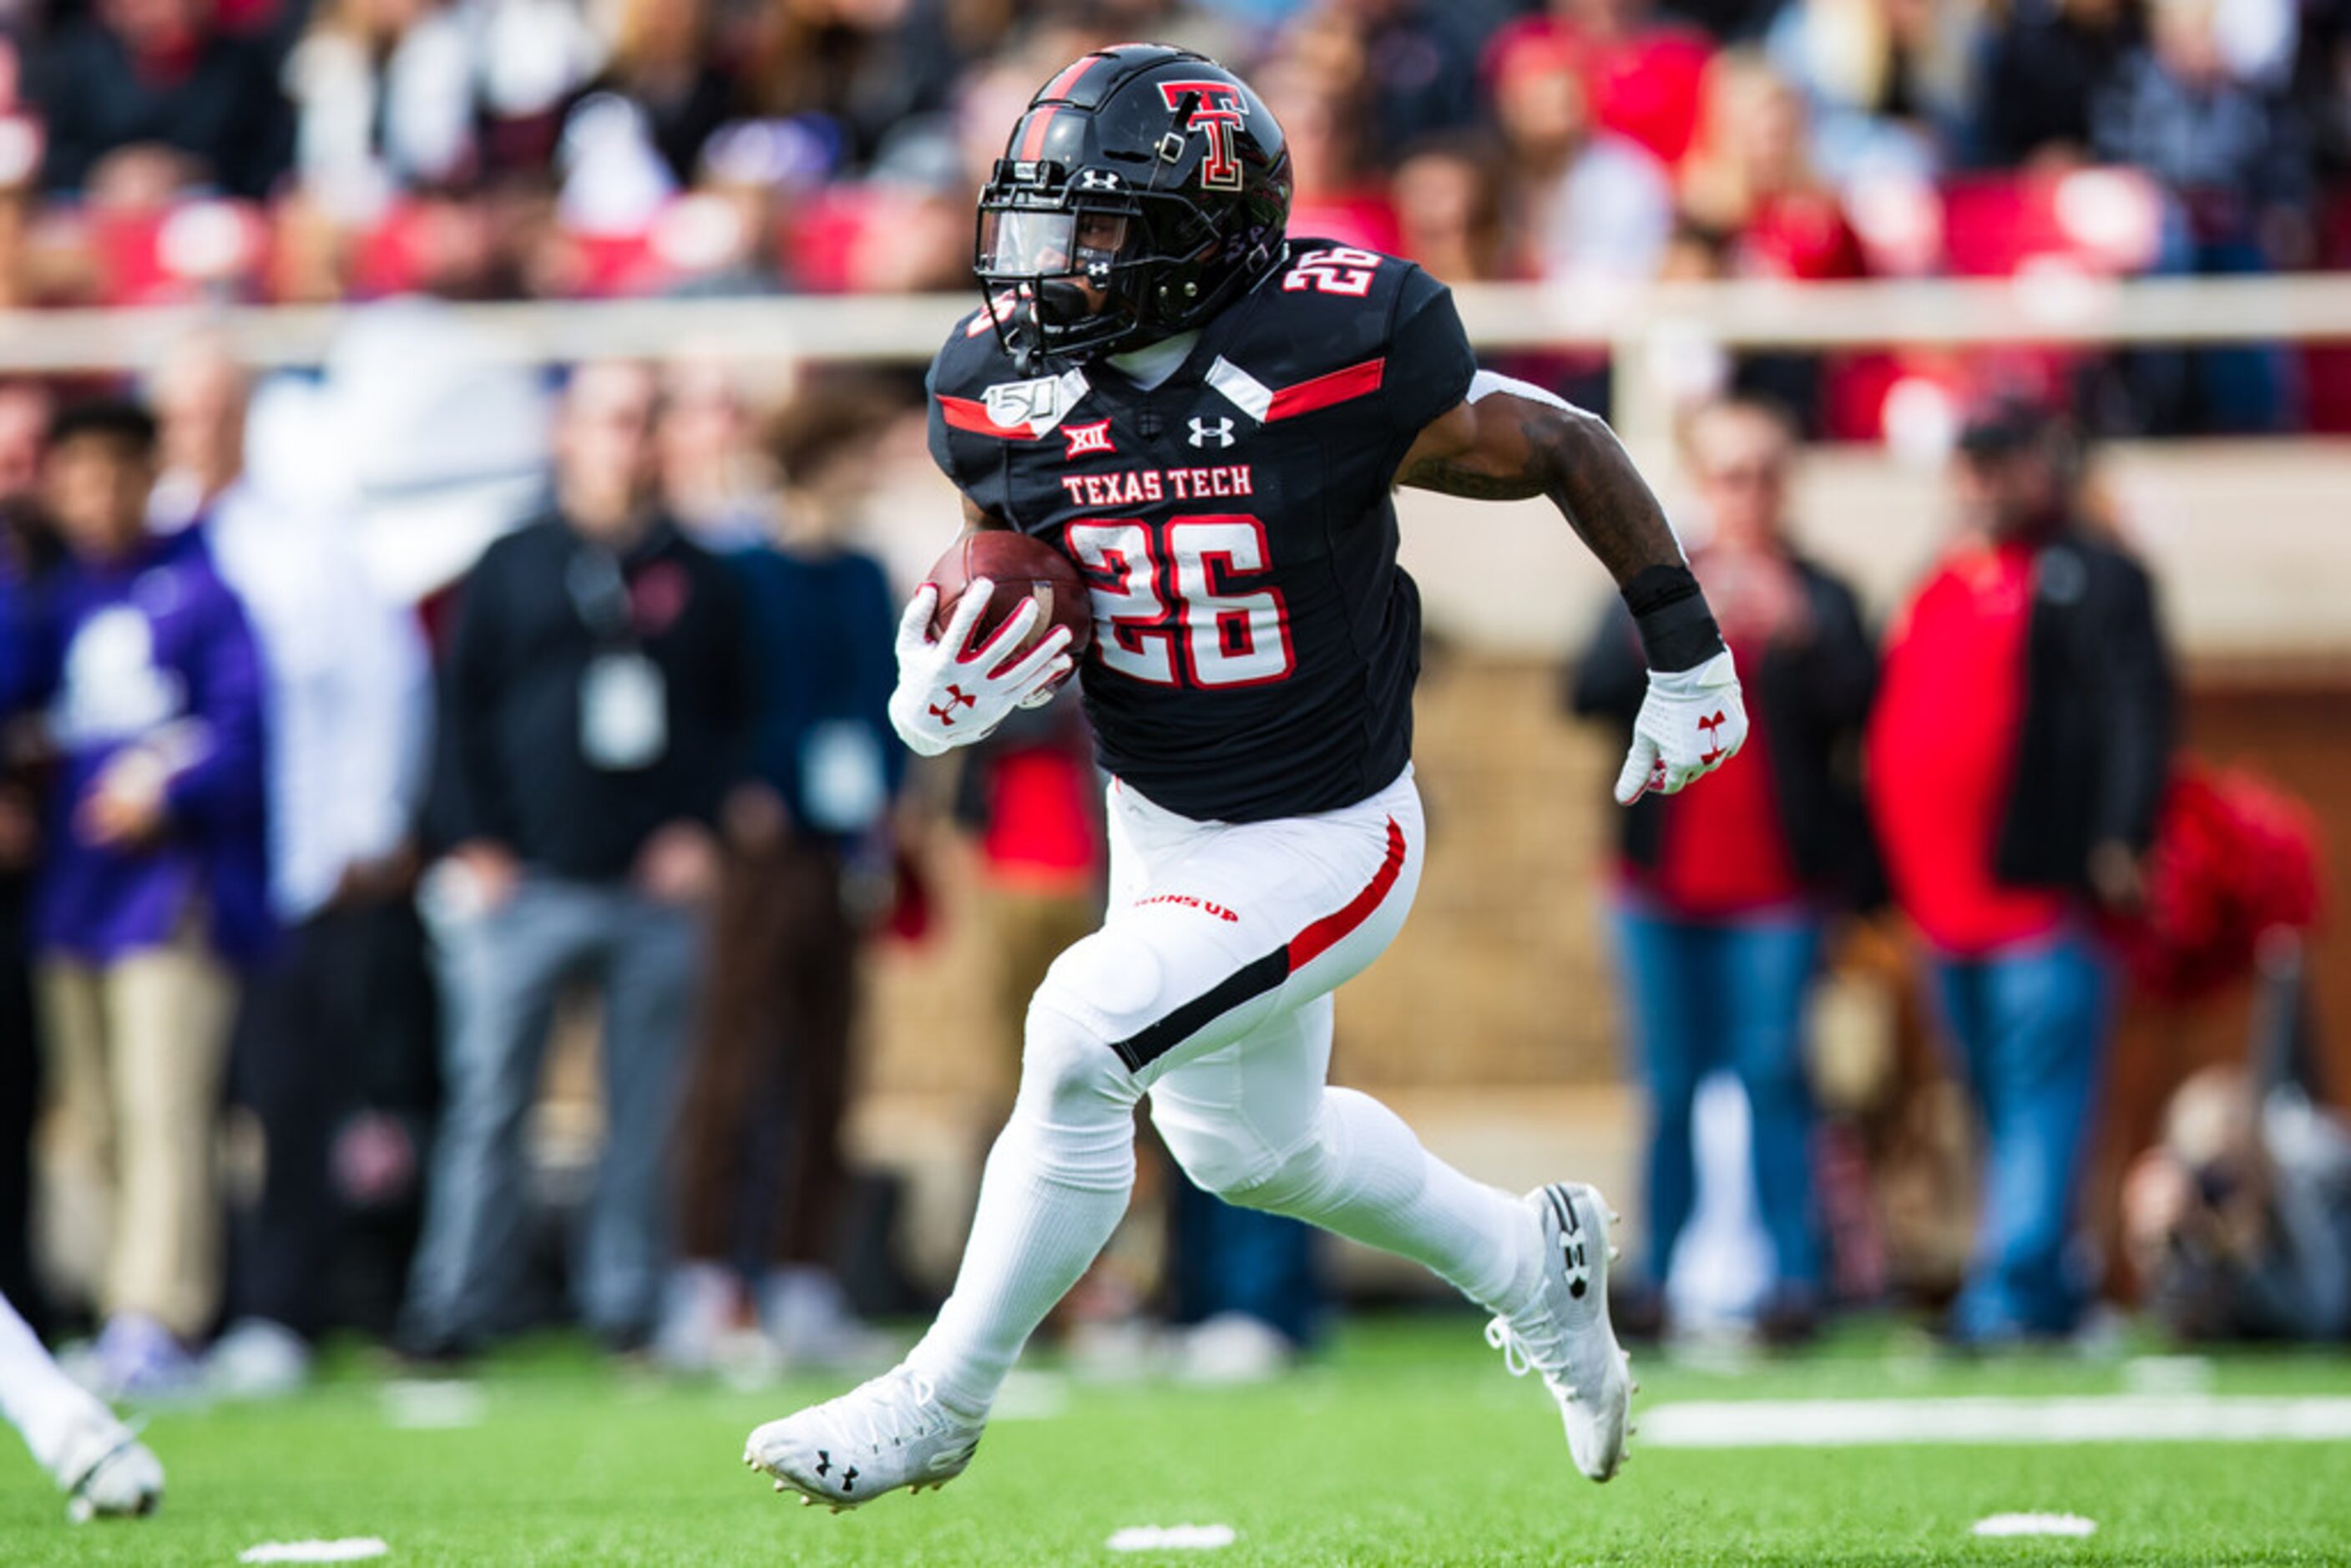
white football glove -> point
(1690, 724)
(950, 694)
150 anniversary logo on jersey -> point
(1036, 403)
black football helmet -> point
(1145, 177)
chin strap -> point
(1179, 127)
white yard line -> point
(432, 1405)
(350, 1549)
(2035, 1524)
(2096, 1418)
(1171, 1538)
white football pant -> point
(1208, 988)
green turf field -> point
(1406, 1445)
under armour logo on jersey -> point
(1221, 433)
(1085, 438)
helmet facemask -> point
(1145, 189)
(1076, 273)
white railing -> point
(1637, 326)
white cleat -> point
(889, 1433)
(1565, 1336)
(106, 1471)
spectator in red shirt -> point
(1752, 186)
(1723, 889)
(1644, 78)
(1320, 86)
(1591, 206)
(1751, 177)
(2015, 762)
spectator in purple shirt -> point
(153, 884)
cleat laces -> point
(1522, 1353)
(888, 1417)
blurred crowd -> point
(639, 743)
(430, 709)
(2000, 769)
(280, 833)
(170, 150)
(347, 844)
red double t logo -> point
(1219, 112)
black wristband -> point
(1677, 631)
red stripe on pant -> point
(1331, 929)
(1262, 975)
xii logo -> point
(1085, 438)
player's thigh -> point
(1217, 929)
(1153, 980)
(1351, 876)
(1232, 1115)
(1300, 905)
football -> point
(1019, 567)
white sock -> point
(1056, 1184)
(1366, 1177)
(39, 1399)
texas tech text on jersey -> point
(1256, 642)
(1149, 487)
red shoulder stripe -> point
(970, 414)
(1322, 391)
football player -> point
(1208, 416)
(105, 1471)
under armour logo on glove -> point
(1691, 723)
(1712, 729)
(951, 694)
(1221, 433)
(956, 697)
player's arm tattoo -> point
(1454, 478)
(1508, 448)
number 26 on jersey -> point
(1168, 600)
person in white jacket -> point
(348, 699)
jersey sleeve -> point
(973, 464)
(1429, 362)
(941, 439)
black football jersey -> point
(1255, 642)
